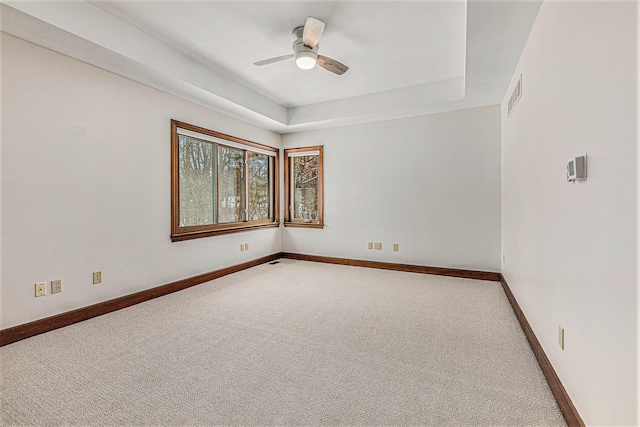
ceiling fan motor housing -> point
(301, 51)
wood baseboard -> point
(20, 332)
(440, 271)
(564, 402)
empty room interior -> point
(319, 213)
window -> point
(303, 187)
(220, 184)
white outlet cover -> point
(561, 337)
(56, 286)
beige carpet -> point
(296, 343)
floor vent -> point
(274, 263)
(515, 96)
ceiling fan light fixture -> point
(305, 49)
(306, 60)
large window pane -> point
(231, 184)
(220, 184)
(259, 190)
(196, 170)
(305, 189)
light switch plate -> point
(41, 289)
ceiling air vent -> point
(515, 96)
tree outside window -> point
(220, 184)
(304, 187)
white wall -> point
(86, 185)
(430, 184)
(571, 248)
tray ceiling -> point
(406, 57)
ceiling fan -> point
(305, 49)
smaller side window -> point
(303, 187)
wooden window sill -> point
(208, 233)
(303, 224)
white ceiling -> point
(406, 57)
(377, 41)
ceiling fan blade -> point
(312, 32)
(332, 65)
(272, 60)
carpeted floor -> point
(295, 343)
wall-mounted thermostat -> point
(577, 168)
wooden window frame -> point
(288, 170)
(179, 233)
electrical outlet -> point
(41, 289)
(246, 246)
(241, 247)
(377, 246)
(561, 337)
(370, 245)
(97, 277)
(395, 247)
(56, 286)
